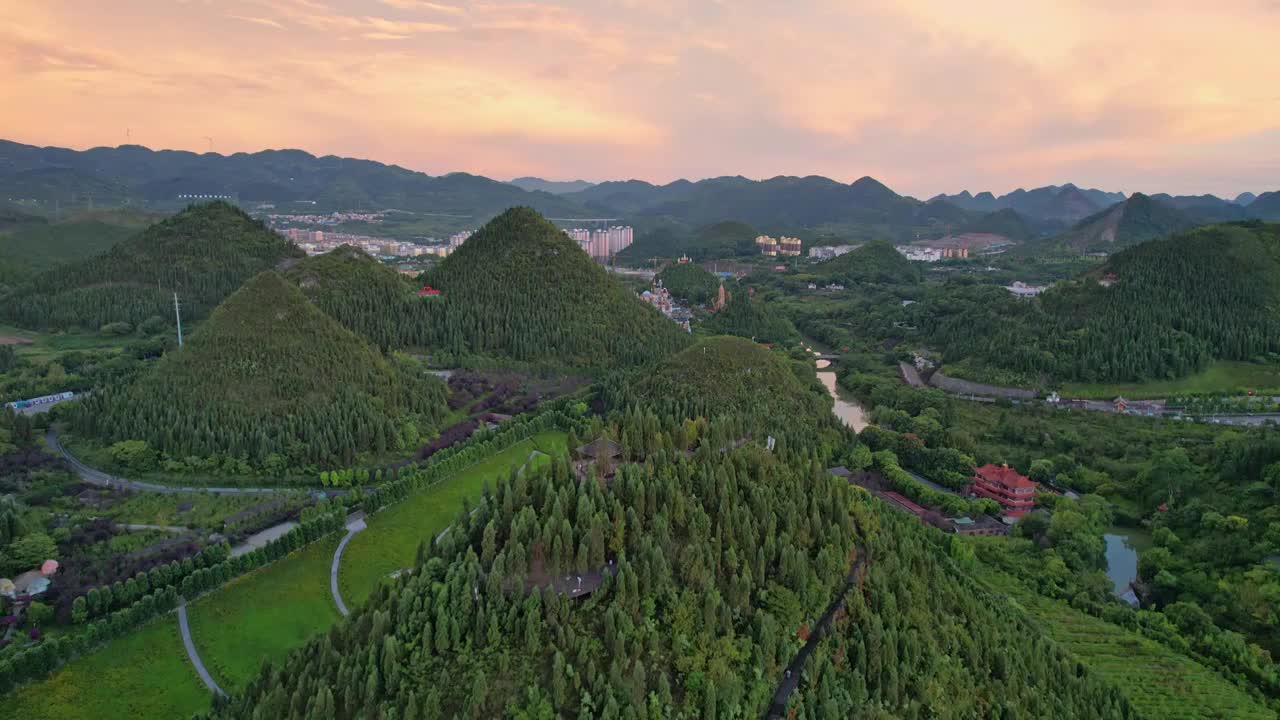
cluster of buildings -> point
(1023, 290)
(603, 243)
(316, 242)
(924, 253)
(661, 300)
(826, 252)
(335, 218)
(773, 247)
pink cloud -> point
(991, 94)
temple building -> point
(1016, 493)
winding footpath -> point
(101, 479)
(355, 523)
(192, 655)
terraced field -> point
(1161, 684)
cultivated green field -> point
(1220, 377)
(186, 509)
(144, 674)
(391, 542)
(46, 346)
(1157, 681)
(264, 615)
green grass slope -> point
(268, 374)
(520, 290)
(203, 253)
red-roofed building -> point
(428, 291)
(1016, 493)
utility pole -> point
(177, 314)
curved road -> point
(355, 523)
(101, 479)
(192, 655)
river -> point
(1123, 546)
(845, 408)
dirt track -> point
(15, 340)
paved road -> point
(192, 655)
(137, 527)
(355, 523)
(101, 479)
(791, 676)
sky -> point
(1143, 95)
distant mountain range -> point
(1053, 202)
(166, 178)
(808, 206)
(555, 187)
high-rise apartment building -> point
(602, 243)
(456, 240)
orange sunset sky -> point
(929, 97)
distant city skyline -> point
(928, 97)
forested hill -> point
(364, 295)
(751, 317)
(1137, 219)
(875, 262)
(271, 381)
(203, 253)
(715, 571)
(519, 289)
(1005, 223)
(724, 239)
(689, 282)
(1162, 309)
(732, 376)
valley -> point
(537, 491)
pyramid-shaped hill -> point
(733, 375)
(876, 262)
(364, 295)
(203, 253)
(519, 289)
(1135, 220)
(269, 374)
